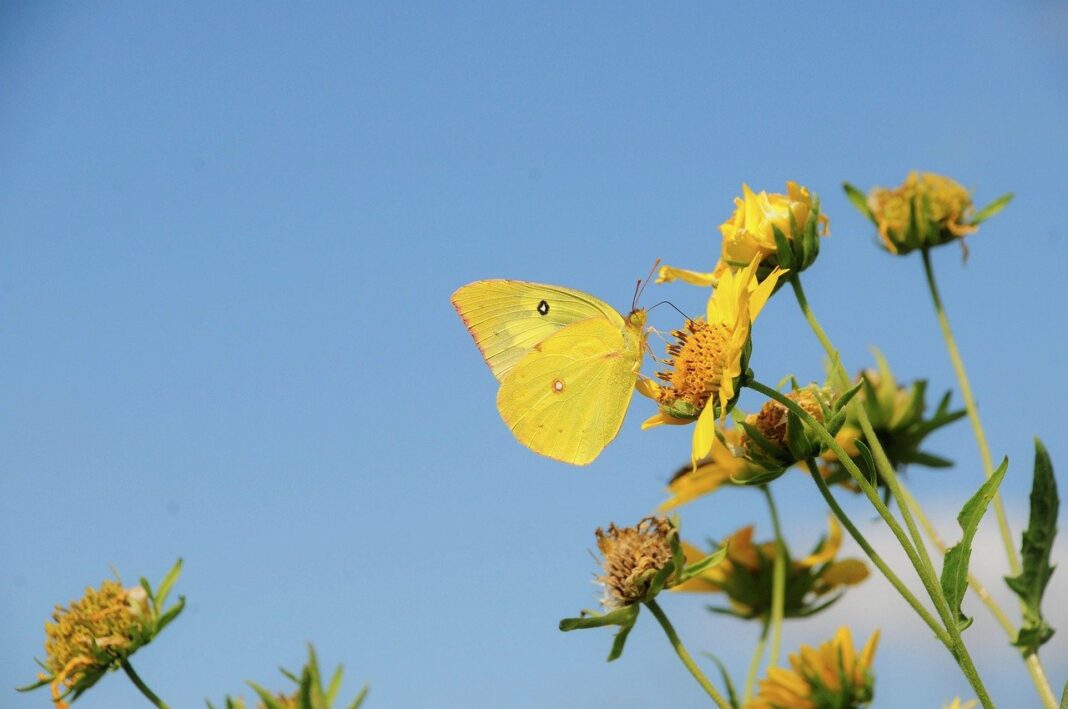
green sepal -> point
(334, 686)
(270, 701)
(659, 581)
(955, 566)
(757, 437)
(847, 396)
(859, 200)
(761, 478)
(732, 696)
(1035, 552)
(813, 610)
(834, 425)
(358, 700)
(810, 241)
(796, 440)
(170, 614)
(928, 459)
(678, 556)
(619, 641)
(699, 567)
(783, 249)
(993, 208)
(166, 584)
(865, 453)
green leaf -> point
(269, 700)
(699, 567)
(360, 697)
(865, 454)
(170, 614)
(619, 641)
(731, 694)
(847, 396)
(620, 616)
(859, 200)
(1035, 550)
(167, 583)
(334, 685)
(955, 566)
(928, 459)
(993, 208)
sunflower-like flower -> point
(637, 564)
(897, 415)
(100, 631)
(746, 575)
(710, 357)
(719, 468)
(832, 675)
(776, 229)
(309, 694)
(925, 211)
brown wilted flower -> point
(632, 556)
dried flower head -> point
(832, 675)
(632, 556)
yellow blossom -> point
(831, 675)
(749, 233)
(746, 575)
(710, 357)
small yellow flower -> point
(710, 358)
(100, 631)
(832, 675)
(714, 471)
(632, 557)
(103, 627)
(750, 233)
(746, 575)
(942, 210)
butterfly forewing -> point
(508, 318)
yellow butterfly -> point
(567, 362)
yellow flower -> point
(710, 357)
(712, 472)
(832, 675)
(746, 575)
(100, 631)
(750, 233)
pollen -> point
(697, 360)
(632, 557)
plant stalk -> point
(687, 660)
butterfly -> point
(567, 362)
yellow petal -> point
(762, 292)
(648, 387)
(846, 572)
(703, 435)
(660, 418)
(830, 546)
(668, 274)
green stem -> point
(778, 587)
(754, 664)
(862, 541)
(1032, 662)
(973, 412)
(926, 574)
(680, 650)
(140, 684)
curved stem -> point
(973, 412)
(754, 663)
(864, 544)
(956, 646)
(680, 650)
(778, 587)
(140, 684)
(1032, 661)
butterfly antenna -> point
(640, 288)
(668, 302)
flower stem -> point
(140, 684)
(864, 544)
(956, 645)
(778, 587)
(754, 664)
(973, 412)
(1032, 661)
(680, 650)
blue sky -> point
(229, 237)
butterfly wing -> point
(567, 398)
(508, 318)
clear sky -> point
(229, 236)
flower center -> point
(697, 361)
(632, 556)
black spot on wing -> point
(543, 308)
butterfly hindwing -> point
(567, 397)
(508, 318)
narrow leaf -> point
(955, 566)
(699, 567)
(1035, 551)
(620, 616)
(993, 208)
(859, 200)
(731, 694)
(360, 697)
